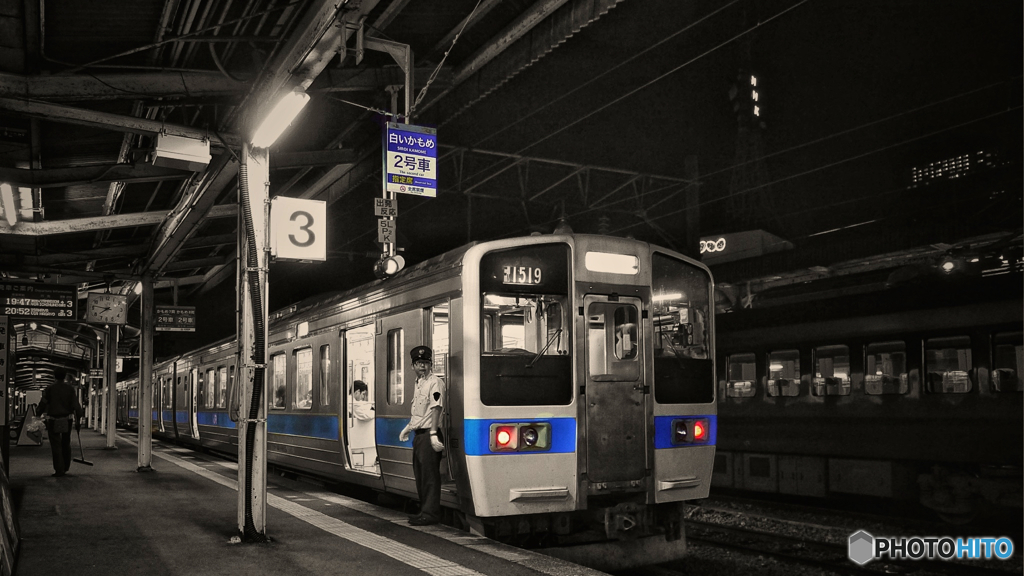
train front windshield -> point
(682, 313)
(525, 328)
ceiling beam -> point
(311, 158)
(376, 79)
(194, 206)
(61, 177)
(76, 87)
(85, 117)
(71, 226)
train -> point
(910, 395)
(581, 409)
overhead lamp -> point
(387, 267)
(280, 118)
(7, 199)
(181, 152)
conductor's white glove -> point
(435, 443)
(404, 434)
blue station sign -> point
(410, 159)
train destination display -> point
(37, 300)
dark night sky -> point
(830, 73)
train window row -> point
(303, 382)
(948, 368)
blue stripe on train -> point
(312, 425)
(663, 431)
(220, 419)
(388, 429)
(478, 443)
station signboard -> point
(175, 318)
(298, 229)
(38, 300)
(410, 159)
(6, 366)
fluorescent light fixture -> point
(671, 296)
(612, 263)
(7, 198)
(280, 118)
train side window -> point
(304, 379)
(222, 386)
(211, 388)
(741, 374)
(439, 339)
(325, 373)
(1007, 362)
(396, 367)
(885, 368)
(784, 373)
(948, 364)
(278, 380)
(831, 370)
(359, 357)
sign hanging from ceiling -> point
(410, 159)
(37, 300)
(298, 229)
(175, 318)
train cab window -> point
(324, 375)
(526, 340)
(222, 386)
(784, 373)
(741, 375)
(612, 343)
(682, 312)
(1007, 362)
(831, 371)
(948, 365)
(304, 379)
(278, 380)
(885, 368)
(211, 388)
(396, 367)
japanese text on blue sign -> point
(410, 160)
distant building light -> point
(753, 80)
(757, 111)
(754, 95)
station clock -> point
(106, 308)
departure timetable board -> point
(38, 300)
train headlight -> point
(680, 432)
(691, 431)
(529, 437)
(520, 437)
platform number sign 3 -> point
(298, 229)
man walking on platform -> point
(61, 405)
(427, 404)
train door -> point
(193, 402)
(395, 337)
(615, 407)
(360, 397)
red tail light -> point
(505, 438)
(700, 431)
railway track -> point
(818, 537)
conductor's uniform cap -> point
(420, 353)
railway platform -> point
(180, 519)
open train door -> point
(395, 337)
(360, 394)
